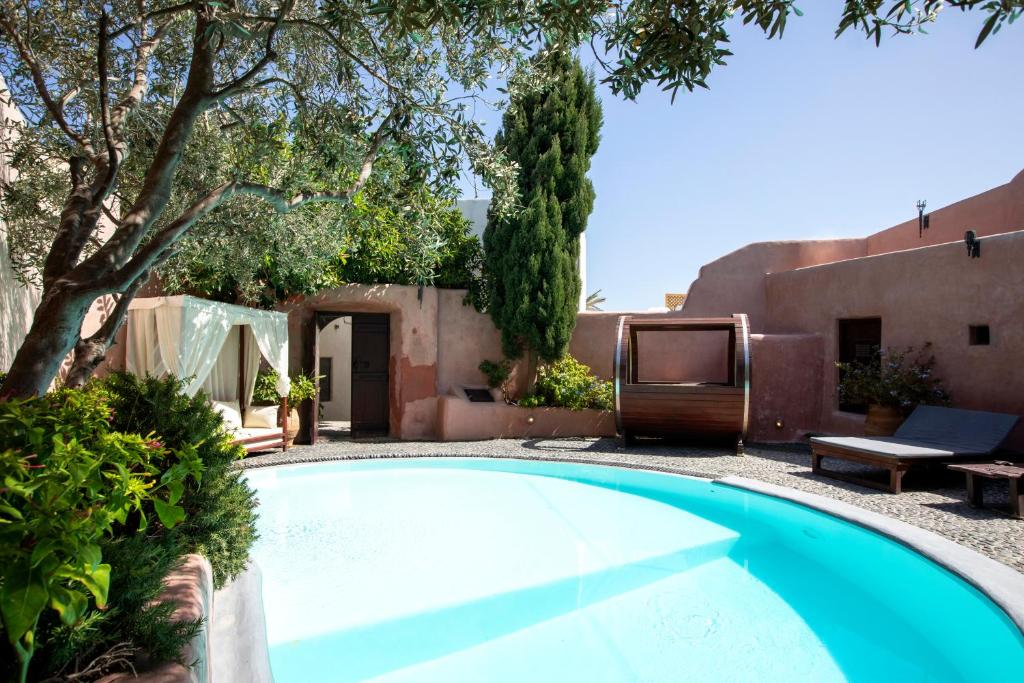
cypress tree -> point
(532, 258)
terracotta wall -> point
(785, 386)
(996, 211)
(922, 295)
(413, 347)
(734, 283)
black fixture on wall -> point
(922, 217)
(973, 244)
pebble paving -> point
(936, 500)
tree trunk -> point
(531, 371)
(56, 327)
(89, 353)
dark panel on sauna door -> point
(369, 374)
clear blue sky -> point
(803, 137)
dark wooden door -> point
(370, 354)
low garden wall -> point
(232, 644)
(190, 588)
(460, 420)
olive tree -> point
(117, 95)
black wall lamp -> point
(973, 244)
(922, 218)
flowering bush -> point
(568, 383)
(895, 379)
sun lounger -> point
(930, 434)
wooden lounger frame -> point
(896, 466)
(265, 442)
(893, 464)
(700, 411)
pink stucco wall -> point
(412, 387)
(460, 420)
(785, 386)
(921, 295)
(996, 211)
(734, 283)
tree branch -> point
(149, 16)
(55, 108)
(113, 163)
(282, 203)
(269, 55)
(75, 226)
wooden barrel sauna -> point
(704, 411)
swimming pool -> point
(440, 569)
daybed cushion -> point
(250, 432)
(231, 413)
(262, 417)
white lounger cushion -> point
(262, 417)
(883, 446)
(231, 413)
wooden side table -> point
(1014, 474)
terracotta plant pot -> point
(293, 427)
(882, 420)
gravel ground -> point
(935, 500)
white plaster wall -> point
(336, 343)
(17, 301)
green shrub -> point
(104, 490)
(71, 483)
(220, 517)
(303, 388)
(567, 383)
(497, 375)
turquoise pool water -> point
(466, 570)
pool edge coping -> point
(999, 582)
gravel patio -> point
(935, 501)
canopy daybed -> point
(215, 347)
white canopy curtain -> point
(197, 341)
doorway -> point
(351, 355)
(860, 340)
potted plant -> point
(891, 386)
(303, 388)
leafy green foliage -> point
(498, 375)
(897, 379)
(303, 388)
(71, 481)
(395, 231)
(568, 383)
(532, 259)
(220, 518)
